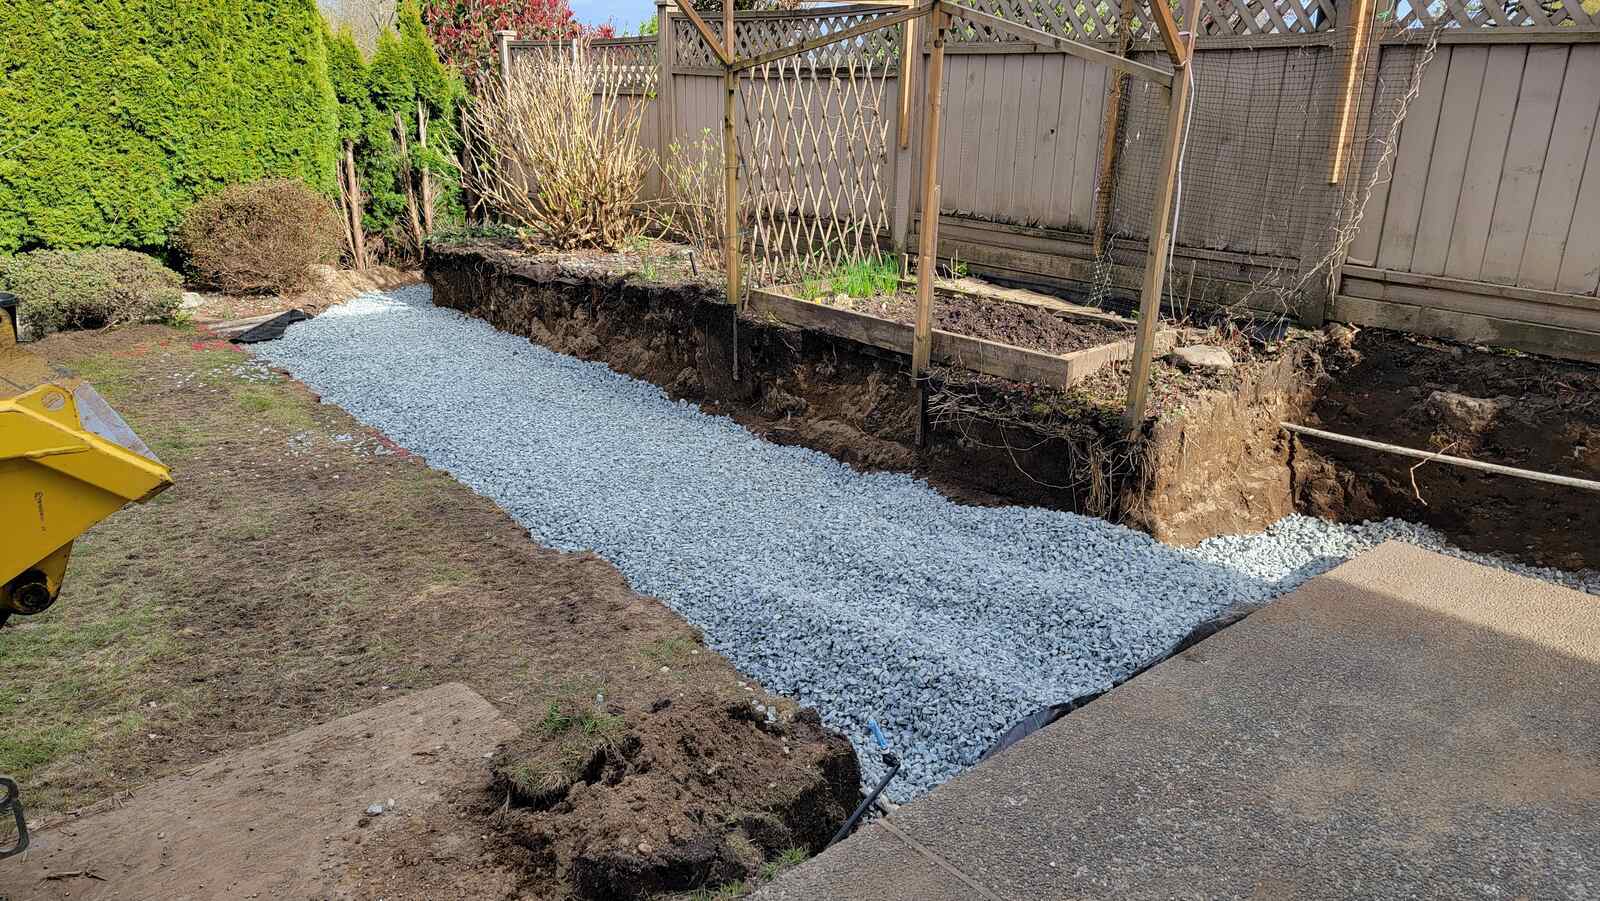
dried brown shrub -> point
(560, 155)
(261, 237)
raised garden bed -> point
(993, 335)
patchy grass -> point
(770, 870)
(299, 570)
(867, 277)
(673, 651)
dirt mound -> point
(626, 804)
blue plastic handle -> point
(883, 743)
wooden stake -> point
(730, 158)
(927, 262)
(1348, 105)
(1108, 151)
(908, 46)
(422, 170)
(1155, 263)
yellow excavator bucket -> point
(67, 461)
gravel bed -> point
(866, 595)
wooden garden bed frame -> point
(1007, 361)
(1177, 85)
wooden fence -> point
(1487, 230)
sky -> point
(626, 15)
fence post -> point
(665, 123)
(1360, 34)
(927, 262)
(730, 158)
(503, 39)
(1155, 261)
(904, 155)
(1115, 114)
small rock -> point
(645, 848)
(1199, 356)
(1468, 415)
(190, 301)
(374, 810)
(1339, 333)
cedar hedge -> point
(116, 115)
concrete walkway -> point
(1405, 726)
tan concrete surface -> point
(1406, 726)
(288, 819)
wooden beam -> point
(705, 32)
(1167, 30)
(834, 37)
(1155, 264)
(927, 260)
(1058, 44)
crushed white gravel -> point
(866, 595)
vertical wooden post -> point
(902, 195)
(1349, 107)
(730, 160)
(1113, 123)
(1180, 47)
(1155, 262)
(665, 116)
(504, 39)
(927, 262)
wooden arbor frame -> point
(1178, 84)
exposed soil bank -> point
(1218, 465)
(1518, 410)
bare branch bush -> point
(558, 152)
(692, 207)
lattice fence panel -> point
(760, 34)
(634, 58)
(1475, 15)
(689, 49)
(1102, 21)
(816, 163)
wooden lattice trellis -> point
(634, 58)
(1475, 14)
(1102, 21)
(814, 155)
(763, 32)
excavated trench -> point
(1215, 464)
(1221, 467)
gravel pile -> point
(868, 596)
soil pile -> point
(695, 790)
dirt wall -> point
(1515, 409)
(1218, 468)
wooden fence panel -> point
(1492, 168)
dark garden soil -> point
(1008, 323)
(1514, 409)
(304, 568)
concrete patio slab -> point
(1408, 725)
